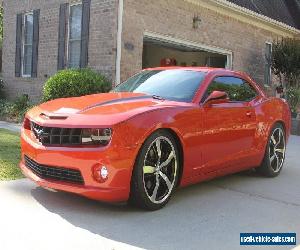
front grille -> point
(54, 173)
(50, 136)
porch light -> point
(196, 22)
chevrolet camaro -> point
(161, 129)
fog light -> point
(104, 172)
(100, 173)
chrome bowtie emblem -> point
(39, 133)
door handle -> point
(249, 113)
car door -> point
(229, 127)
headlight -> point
(96, 136)
(26, 123)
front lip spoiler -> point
(119, 194)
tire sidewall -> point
(137, 184)
(266, 163)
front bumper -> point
(119, 162)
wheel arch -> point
(181, 152)
(282, 123)
(179, 144)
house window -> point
(27, 45)
(268, 63)
(73, 35)
(74, 42)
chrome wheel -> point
(277, 149)
(160, 169)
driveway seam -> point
(256, 195)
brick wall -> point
(174, 18)
(102, 45)
(167, 17)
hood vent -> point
(53, 116)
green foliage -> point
(1, 89)
(286, 60)
(293, 97)
(75, 82)
(1, 25)
(9, 155)
(15, 111)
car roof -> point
(200, 69)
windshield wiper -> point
(157, 97)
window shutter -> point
(35, 42)
(18, 56)
(62, 36)
(85, 23)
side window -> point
(27, 45)
(73, 34)
(237, 89)
(27, 42)
(74, 42)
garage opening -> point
(158, 53)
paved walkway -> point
(10, 126)
(209, 215)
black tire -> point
(139, 193)
(269, 167)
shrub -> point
(293, 98)
(285, 61)
(15, 111)
(5, 108)
(75, 82)
(1, 89)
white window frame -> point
(69, 33)
(23, 43)
(270, 68)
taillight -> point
(26, 124)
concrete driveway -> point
(205, 216)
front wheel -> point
(275, 153)
(155, 174)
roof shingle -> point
(285, 11)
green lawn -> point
(9, 155)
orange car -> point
(160, 129)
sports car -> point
(161, 129)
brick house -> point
(120, 37)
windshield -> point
(173, 84)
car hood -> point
(96, 110)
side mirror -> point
(216, 97)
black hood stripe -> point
(119, 100)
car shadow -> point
(184, 220)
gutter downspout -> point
(119, 42)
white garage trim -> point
(190, 44)
(119, 42)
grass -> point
(9, 155)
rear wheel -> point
(275, 153)
(155, 174)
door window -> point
(237, 89)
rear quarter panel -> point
(268, 112)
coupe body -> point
(160, 129)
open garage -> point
(161, 51)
